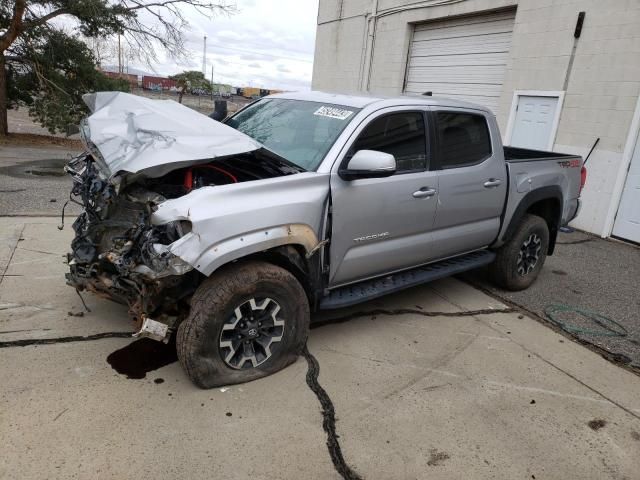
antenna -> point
(204, 57)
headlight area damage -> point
(118, 254)
(142, 153)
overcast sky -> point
(266, 44)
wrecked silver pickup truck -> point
(228, 235)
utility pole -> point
(212, 82)
(204, 58)
(119, 56)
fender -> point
(543, 193)
(240, 246)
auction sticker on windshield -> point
(333, 112)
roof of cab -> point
(362, 101)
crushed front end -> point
(118, 254)
(143, 156)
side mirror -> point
(369, 164)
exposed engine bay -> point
(119, 254)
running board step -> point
(370, 289)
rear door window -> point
(463, 138)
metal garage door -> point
(463, 58)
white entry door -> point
(627, 224)
(535, 122)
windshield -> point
(299, 131)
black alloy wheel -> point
(253, 334)
(529, 254)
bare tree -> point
(101, 48)
(146, 26)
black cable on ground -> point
(50, 341)
(329, 418)
(82, 300)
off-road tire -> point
(213, 303)
(504, 269)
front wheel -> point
(519, 261)
(246, 321)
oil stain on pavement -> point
(437, 458)
(597, 424)
(141, 357)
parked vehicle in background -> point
(230, 235)
(200, 92)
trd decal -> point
(570, 163)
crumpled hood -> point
(140, 135)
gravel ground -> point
(594, 275)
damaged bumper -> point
(118, 254)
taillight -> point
(583, 177)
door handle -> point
(424, 192)
(492, 182)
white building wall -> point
(600, 98)
(602, 91)
(339, 45)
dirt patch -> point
(32, 139)
(437, 458)
(597, 424)
(635, 435)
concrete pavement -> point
(591, 274)
(447, 396)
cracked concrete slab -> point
(489, 395)
(9, 239)
(591, 274)
(35, 301)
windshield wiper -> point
(284, 166)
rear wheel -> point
(519, 261)
(246, 321)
